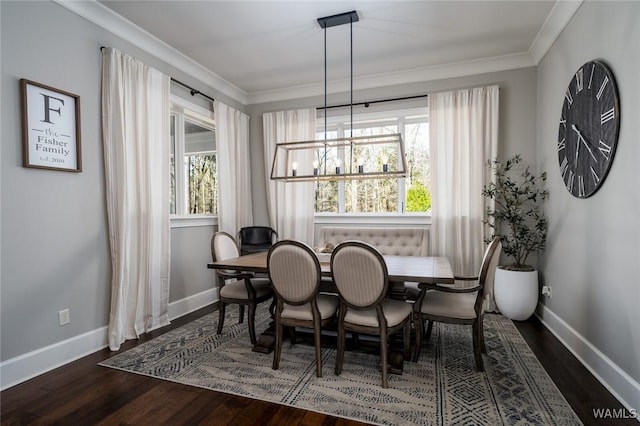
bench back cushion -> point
(389, 241)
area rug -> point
(443, 388)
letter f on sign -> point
(48, 108)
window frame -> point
(341, 125)
(181, 109)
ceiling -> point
(268, 49)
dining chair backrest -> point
(488, 269)
(360, 274)
(294, 271)
(256, 234)
(223, 247)
(253, 239)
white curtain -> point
(290, 204)
(235, 209)
(463, 134)
(135, 125)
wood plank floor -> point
(82, 393)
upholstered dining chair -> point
(235, 287)
(361, 277)
(458, 305)
(254, 239)
(294, 271)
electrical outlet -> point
(546, 290)
(64, 317)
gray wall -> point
(516, 121)
(55, 251)
(592, 260)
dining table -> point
(401, 269)
(420, 269)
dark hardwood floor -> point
(83, 393)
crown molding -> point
(92, 10)
(555, 23)
(459, 69)
(107, 19)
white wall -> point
(592, 259)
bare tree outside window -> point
(193, 181)
(373, 195)
(411, 194)
(418, 182)
(203, 188)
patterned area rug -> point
(443, 388)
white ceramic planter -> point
(516, 293)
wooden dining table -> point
(418, 269)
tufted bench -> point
(389, 241)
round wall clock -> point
(588, 131)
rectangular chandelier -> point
(361, 157)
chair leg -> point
(429, 329)
(221, 309)
(252, 323)
(419, 323)
(407, 339)
(272, 307)
(240, 314)
(383, 357)
(278, 347)
(292, 334)
(356, 340)
(481, 333)
(316, 338)
(477, 351)
(340, 348)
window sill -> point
(191, 221)
(416, 219)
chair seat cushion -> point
(395, 312)
(327, 305)
(238, 290)
(453, 305)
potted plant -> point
(518, 219)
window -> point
(193, 168)
(405, 195)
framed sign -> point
(50, 128)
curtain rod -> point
(191, 89)
(367, 103)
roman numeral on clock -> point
(593, 67)
(579, 81)
(563, 167)
(602, 86)
(580, 186)
(606, 116)
(595, 176)
(562, 144)
(605, 149)
(569, 98)
(570, 180)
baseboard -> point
(192, 303)
(27, 366)
(616, 380)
